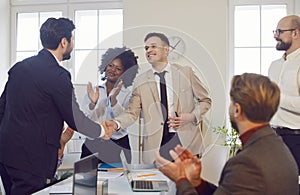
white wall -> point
(297, 7)
(5, 41)
(203, 26)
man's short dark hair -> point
(162, 37)
(54, 30)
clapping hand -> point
(173, 170)
(185, 165)
(191, 164)
(115, 93)
(93, 95)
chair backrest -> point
(213, 161)
(2, 190)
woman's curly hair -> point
(128, 60)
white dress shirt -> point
(170, 91)
(103, 109)
(286, 73)
(169, 85)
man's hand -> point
(93, 96)
(109, 127)
(180, 120)
(173, 170)
(185, 165)
(183, 153)
(115, 93)
(66, 135)
(191, 164)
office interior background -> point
(218, 38)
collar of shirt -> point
(123, 89)
(167, 68)
(169, 82)
(59, 62)
(292, 55)
(246, 136)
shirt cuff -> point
(118, 124)
(179, 181)
(60, 161)
(201, 188)
(102, 131)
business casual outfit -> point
(263, 166)
(109, 150)
(37, 99)
(186, 94)
(286, 73)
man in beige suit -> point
(177, 120)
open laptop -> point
(84, 179)
(141, 184)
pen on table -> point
(146, 175)
(112, 169)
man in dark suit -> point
(263, 166)
(37, 99)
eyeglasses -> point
(279, 31)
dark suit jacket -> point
(264, 166)
(37, 99)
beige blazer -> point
(189, 95)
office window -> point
(93, 36)
(254, 45)
(98, 26)
(28, 39)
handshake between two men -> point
(110, 127)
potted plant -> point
(231, 138)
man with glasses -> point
(286, 73)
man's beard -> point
(234, 125)
(283, 46)
(67, 55)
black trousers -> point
(109, 150)
(169, 143)
(291, 138)
(18, 182)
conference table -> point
(116, 186)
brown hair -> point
(257, 94)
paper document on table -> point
(109, 174)
(147, 175)
(64, 187)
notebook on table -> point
(139, 183)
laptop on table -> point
(139, 183)
(85, 175)
(84, 179)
